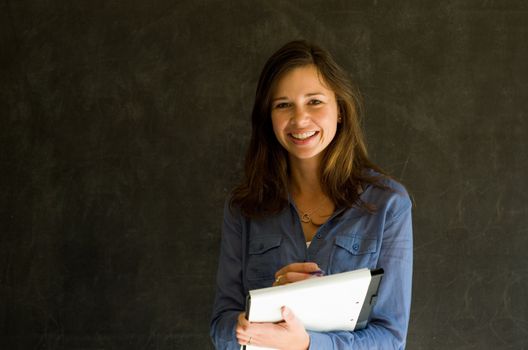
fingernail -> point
(317, 273)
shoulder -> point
(232, 212)
(391, 197)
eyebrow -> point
(307, 95)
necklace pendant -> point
(306, 218)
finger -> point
(243, 339)
(298, 267)
(257, 333)
(241, 333)
(260, 334)
(249, 340)
(242, 320)
(244, 333)
(291, 277)
(305, 267)
(289, 317)
(280, 280)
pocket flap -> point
(357, 245)
(263, 244)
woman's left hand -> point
(288, 334)
(295, 272)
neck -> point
(305, 180)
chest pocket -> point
(353, 252)
(263, 260)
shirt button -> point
(355, 246)
(318, 236)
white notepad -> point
(336, 302)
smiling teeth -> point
(304, 135)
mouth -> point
(303, 137)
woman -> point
(311, 200)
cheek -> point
(327, 117)
(278, 124)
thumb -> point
(289, 317)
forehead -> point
(300, 80)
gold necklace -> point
(305, 216)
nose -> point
(299, 116)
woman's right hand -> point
(296, 272)
(288, 334)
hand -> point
(288, 334)
(295, 272)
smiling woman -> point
(311, 201)
(304, 122)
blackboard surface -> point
(123, 126)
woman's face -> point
(304, 113)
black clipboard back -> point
(370, 298)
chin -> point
(306, 156)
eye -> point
(315, 102)
(282, 105)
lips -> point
(304, 135)
(302, 138)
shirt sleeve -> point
(229, 298)
(387, 328)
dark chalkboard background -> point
(124, 123)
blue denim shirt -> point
(253, 250)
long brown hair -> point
(263, 190)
